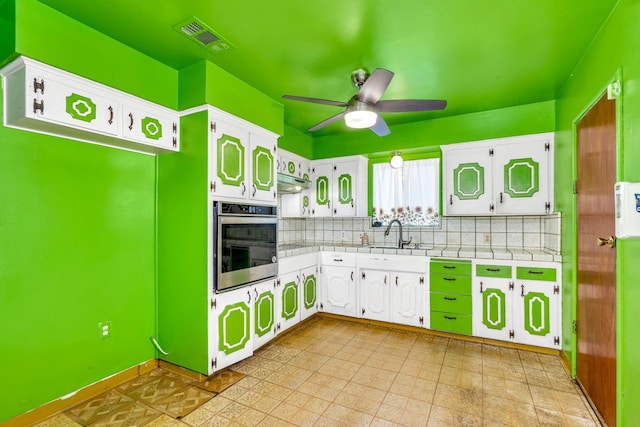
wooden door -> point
(596, 287)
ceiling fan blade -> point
(316, 100)
(406, 105)
(373, 88)
(380, 128)
(327, 122)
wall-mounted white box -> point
(627, 200)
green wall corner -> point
(206, 83)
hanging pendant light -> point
(396, 161)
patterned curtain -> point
(409, 194)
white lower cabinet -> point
(537, 306)
(338, 283)
(408, 297)
(231, 327)
(396, 295)
(514, 301)
(265, 308)
(308, 291)
(374, 294)
(289, 297)
(297, 289)
(518, 302)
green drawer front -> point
(534, 273)
(451, 322)
(450, 283)
(502, 271)
(452, 303)
(445, 266)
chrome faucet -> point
(401, 242)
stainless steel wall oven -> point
(245, 244)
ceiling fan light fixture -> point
(360, 119)
(396, 160)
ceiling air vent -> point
(196, 31)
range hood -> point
(292, 184)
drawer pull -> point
(449, 267)
(449, 279)
(493, 270)
(450, 318)
(450, 299)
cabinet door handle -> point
(451, 199)
(244, 188)
(130, 121)
(522, 290)
(500, 197)
(256, 291)
(110, 121)
(255, 189)
(480, 287)
(249, 293)
(385, 279)
(396, 280)
(352, 276)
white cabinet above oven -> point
(242, 162)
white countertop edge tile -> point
(481, 252)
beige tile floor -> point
(331, 372)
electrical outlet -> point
(487, 238)
(343, 235)
(104, 329)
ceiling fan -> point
(361, 111)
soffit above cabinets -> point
(478, 55)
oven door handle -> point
(247, 220)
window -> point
(409, 194)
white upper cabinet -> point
(298, 204)
(294, 165)
(44, 99)
(243, 160)
(507, 176)
(339, 187)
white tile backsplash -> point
(467, 234)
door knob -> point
(611, 241)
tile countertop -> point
(519, 254)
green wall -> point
(411, 137)
(616, 47)
(77, 227)
(182, 247)
(296, 142)
(206, 83)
